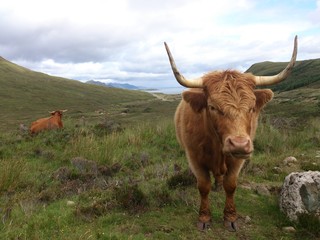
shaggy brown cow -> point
(216, 123)
(48, 123)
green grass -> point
(139, 195)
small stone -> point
(71, 203)
(246, 187)
(247, 219)
(277, 170)
(262, 190)
(289, 160)
(289, 229)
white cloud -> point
(315, 15)
(123, 40)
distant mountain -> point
(115, 85)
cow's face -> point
(232, 107)
(56, 113)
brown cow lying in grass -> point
(216, 123)
(48, 123)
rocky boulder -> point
(300, 194)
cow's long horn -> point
(192, 83)
(269, 80)
(64, 110)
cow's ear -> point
(196, 99)
(263, 96)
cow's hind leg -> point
(204, 187)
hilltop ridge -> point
(305, 73)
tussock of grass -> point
(12, 172)
(309, 225)
(130, 197)
(183, 179)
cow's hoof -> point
(231, 226)
(203, 226)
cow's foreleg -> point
(204, 186)
(230, 213)
(230, 184)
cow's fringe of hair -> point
(237, 85)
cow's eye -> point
(215, 110)
(251, 110)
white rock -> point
(300, 194)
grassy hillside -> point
(305, 73)
(26, 95)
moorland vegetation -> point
(116, 171)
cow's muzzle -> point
(238, 146)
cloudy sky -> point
(122, 40)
